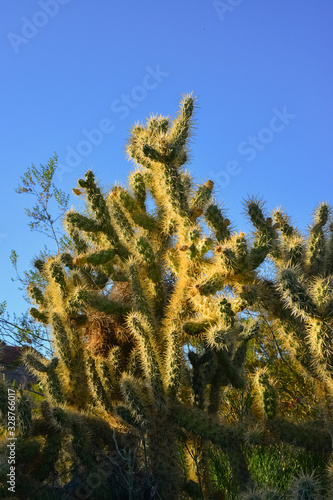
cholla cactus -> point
(149, 317)
(139, 286)
(298, 300)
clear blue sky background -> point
(67, 66)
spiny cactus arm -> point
(211, 284)
(39, 264)
(226, 312)
(145, 251)
(78, 388)
(152, 153)
(153, 269)
(46, 373)
(24, 414)
(241, 250)
(124, 227)
(146, 221)
(181, 127)
(95, 258)
(137, 184)
(219, 336)
(217, 222)
(173, 191)
(57, 273)
(266, 236)
(196, 328)
(102, 431)
(251, 331)
(97, 203)
(81, 442)
(134, 365)
(270, 396)
(321, 290)
(3, 403)
(148, 143)
(218, 380)
(316, 255)
(83, 223)
(255, 210)
(94, 230)
(197, 247)
(263, 293)
(294, 251)
(151, 148)
(264, 394)
(202, 368)
(207, 312)
(127, 202)
(61, 339)
(201, 198)
(260, 494)
(158, 125)
(106, 377)
(262, 246)
(228, 260)
(96, 428)
(36, 363)
(126, 415)
(291, 245)
(114, 362)
(37, 295)
(295, 295)
(230, 369)
(141, 300)
(79, 243)
(100, 302)
(66, 259)
(172, 260)
(282, 221)
(318, 348)
(134, 211)
(144, 336)
(136, 145)
(39, 315)
(163, 456)
(329, 250)
(94, 278)
(96, 386)
(249, 295)
(134, 399)
(53, 384)
(57, 418)
(173, 363)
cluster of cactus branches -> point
(155, 320)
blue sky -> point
(77, 74)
